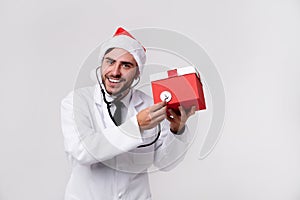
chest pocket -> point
(145, 155)
(143, 158)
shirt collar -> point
(126, 100)
(99, 98)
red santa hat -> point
(123, 39)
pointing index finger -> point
(158, 106)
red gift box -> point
(177, 87)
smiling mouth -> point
(114, 80)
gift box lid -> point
(174, 72)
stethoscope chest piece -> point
(165, 96)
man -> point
(113, 133)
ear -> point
(137, 74)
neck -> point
(115, 97)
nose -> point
(116, 70)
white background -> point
(254, 44)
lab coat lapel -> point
(135, 103)
(100, 110)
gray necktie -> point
(118, 112)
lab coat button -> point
(120, 195)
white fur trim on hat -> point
(127, 43)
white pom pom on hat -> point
(123, 39)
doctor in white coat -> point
(113, 133)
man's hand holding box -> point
(178, 87)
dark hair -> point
(108, 50)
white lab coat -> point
(106, 163)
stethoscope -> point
(109, 103)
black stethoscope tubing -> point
(108, 104)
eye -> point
(110, 62)
(126, 66)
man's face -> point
(118, 70)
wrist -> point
(178, 132)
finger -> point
(174, 115)
(192, 111)
(159, 112)
(182, 111)
(159, 119)
(170, 118)
(157, 106)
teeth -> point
(114, 81)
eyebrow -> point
(122, 62)
(110, 59)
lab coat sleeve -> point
(170, 149)
(89, 146)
